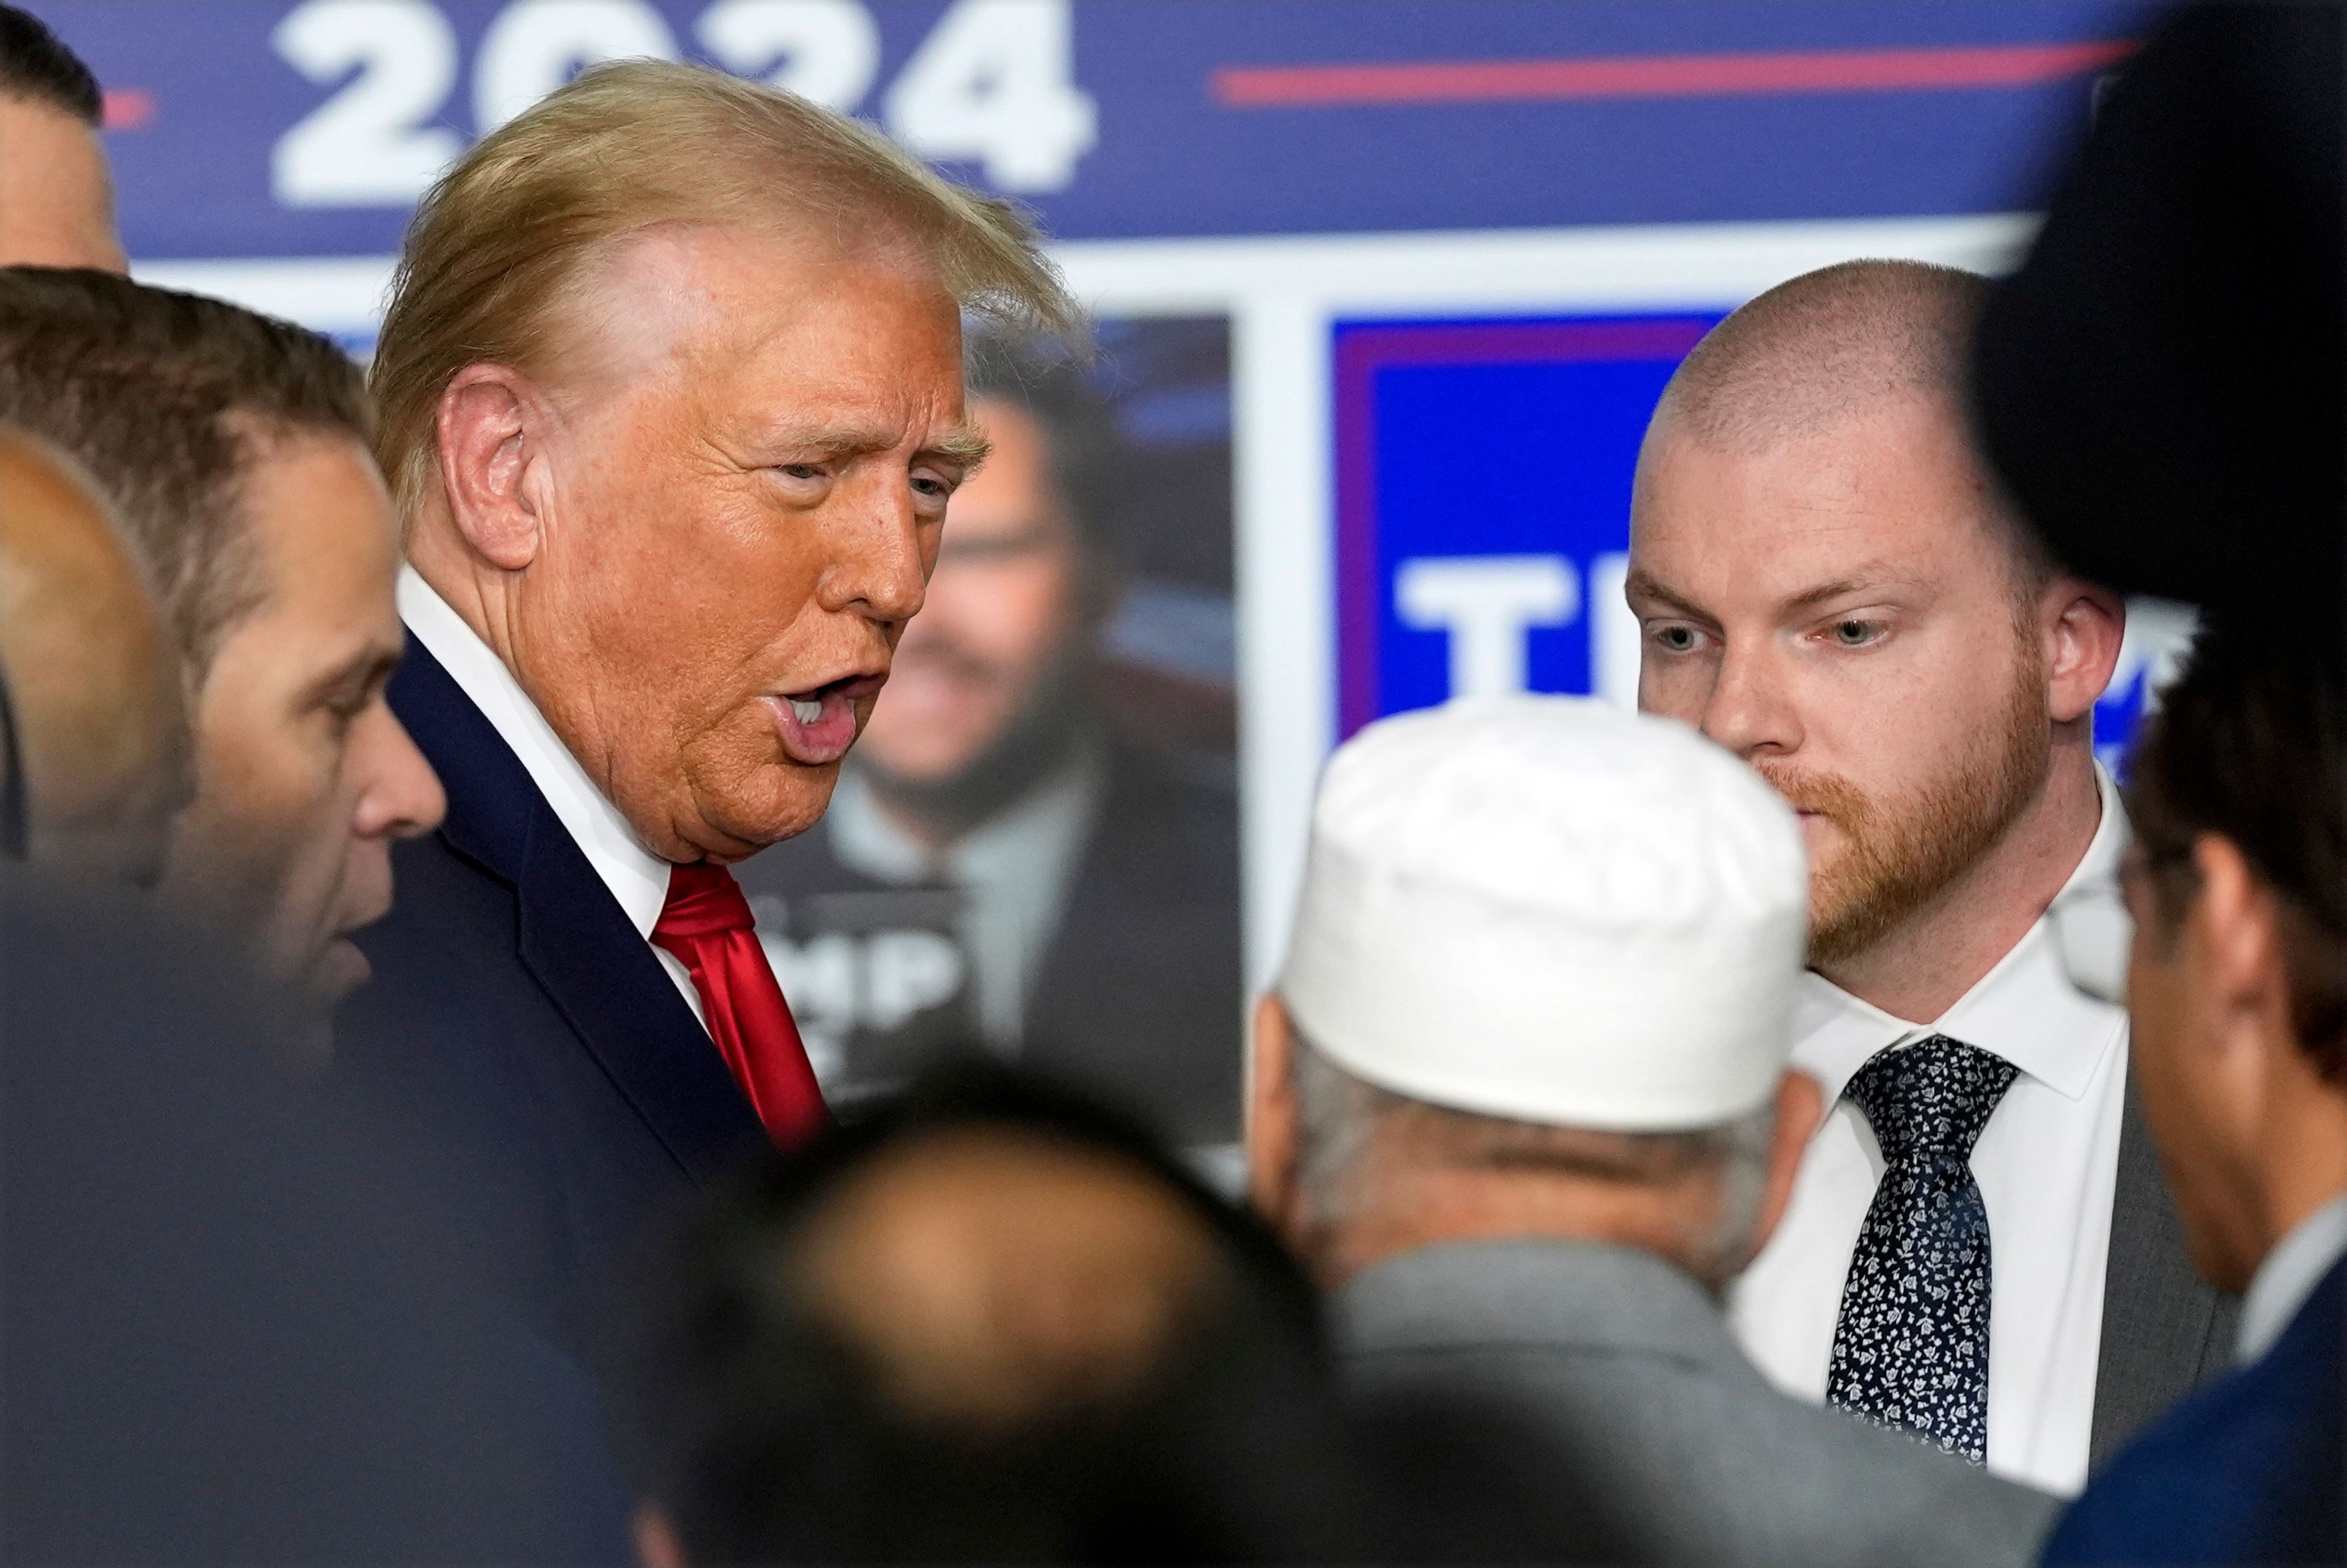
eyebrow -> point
(962, 444)
(1643, 586)
(1865, 580)
(364, 668)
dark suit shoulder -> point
(2247, 1469)
(522, 1034)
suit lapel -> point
(573, 938)
(2165, 1331)
(624, 1008)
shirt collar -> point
(2025, 1010)
(2289, 1276)
(637, 878)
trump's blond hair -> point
(499, 244)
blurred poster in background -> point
(1034, 846)
(1386, 288)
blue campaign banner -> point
(1483, 474)
(295, 127)
(1482, 494)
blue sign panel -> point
(1484, 502)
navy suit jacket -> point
(525, 1036)
(2249, 1470)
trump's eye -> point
(802, 470)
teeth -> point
(808, 709)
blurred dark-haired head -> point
(2238, 881)
(994, 1322)
(2160, 385)
(57, 199)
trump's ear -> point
(489, 441)
(1271, 1132)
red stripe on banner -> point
(128, 108)
(1661, 76)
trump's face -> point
(733, 511)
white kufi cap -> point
(1550, 909)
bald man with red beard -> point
(1979, 1249)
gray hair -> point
(1339, 1117)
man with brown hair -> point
(1829, 583)
(234, 449)
(672, 398)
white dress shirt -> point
(2289, 1276)
(637, 878)
(2047, 1167)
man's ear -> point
(1271, 1133)
(488, 438)
(2235, 928)
(1801, 1106)
(2086, 625)
(656, 1542)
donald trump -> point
(672, 407)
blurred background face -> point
(1001, 616)
(57, 201)
(302, 775)
(1837, 611)
(740, 513)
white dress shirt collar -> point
(637, 878)
(2024, 1009)
(2289, 1276)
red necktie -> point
(706, 923)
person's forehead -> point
(698, 303)
(1894, 485)
(29, 119)
(316, 509)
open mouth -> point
(818, 725)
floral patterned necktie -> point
(1911, 1347)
